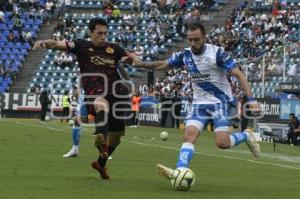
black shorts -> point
(114, 124)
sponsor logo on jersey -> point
(102, 61)
(196, 77)
(110, 50)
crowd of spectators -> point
(265, 29)
(20, 20)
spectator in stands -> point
(2, 19)
(139, 50)
(293, 70)
(61, 25)
(8, 6)
(258, 4)
(116, 13)
(166, 104)
(178, 17)
(182, 3)
(243, 5)
(154, 12)
(69, 22)
(38, 89)
(11, 37)
(67, 6)
(136, 5)
(106, 2)
(67, 59)
(2, 70)
(170, 5)
(107, 10)
(49, 10)
(147, 6)
(294, 130)
(176, 107)
(27, 37)
(10, 72)
(18, 25)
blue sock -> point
(76, 135)
(238, 138)
(185, 155)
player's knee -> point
(222, 144)
(114, 139)
(99, 140)
(190, 135)
(77, 123)
(101, 104)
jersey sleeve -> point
(120, 52)
(224, 60)
(75, 47)
(176, 60)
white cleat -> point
(110, 158)
(253, 144)
(71, 153)
(165, 171)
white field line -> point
(40, 126)
(214, 155)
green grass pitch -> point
(32, 166)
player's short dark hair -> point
(195, 24)
(292, 114)
(96, 21)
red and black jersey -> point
(95, 63)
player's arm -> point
(246, 88)
(50, 44)
(243, 81)
(123, 72)
(155, 65)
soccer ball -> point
(183, 179)
(71, 122)
(164, 135)
(47, 118)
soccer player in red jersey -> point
(99, 78)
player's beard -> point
(197, 51)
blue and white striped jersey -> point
(207, 72)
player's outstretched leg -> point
(102, 146)
(248, 137)
(164, 171)
(74, 152)
(253, 144)
(102, 170)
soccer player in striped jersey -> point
(207, 66)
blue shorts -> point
(81, 109)
(201, 114)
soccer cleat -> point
(253, 144)
(102, 171)
(71, 153)
(165, 171)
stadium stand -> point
(152, 33)
(19, 26)
(258, 34)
